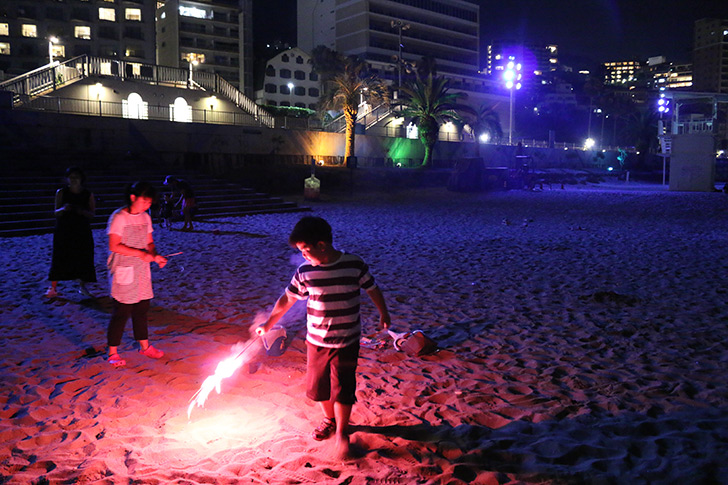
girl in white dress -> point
(131, 250)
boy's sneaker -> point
(325, 430)
(51, 293)
(152, 353)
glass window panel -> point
(133, 14)
(30, 30)
(82, 32)
(107, 14)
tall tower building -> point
(33, 31)
(217, 34)
(710, 56)
(383, 30)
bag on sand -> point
(416, 344)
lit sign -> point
(194, 12)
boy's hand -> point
(385, 322)
(261, 329)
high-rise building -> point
(710, 56)
(31, 32)
(621, 72)
(217, 34)
(535, 58)
(385, 32)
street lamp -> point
(512, 77)
(51, 41)
(290, 92)
(191, 63)
(398, 24)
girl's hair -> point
(140, 189)
(77, 170)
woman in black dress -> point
(73, 242)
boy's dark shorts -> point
(331, 373)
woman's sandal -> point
(116, 361)
(325, 429)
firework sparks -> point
(241, 354)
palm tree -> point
(429, 104)
(343, 89)
(485, 120)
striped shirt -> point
(333, 292)
(131, 277)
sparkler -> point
(224, 369)
(242, 353)
(173, 254)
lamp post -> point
(51, 41)
(398, 24)
(193, 62)
(290, 92)
(512, 77)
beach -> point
(583, 339)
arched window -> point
(299, 75)
(180, 111)
(270, 71)
(313, 92)
(284, 58)
(134, 107)
(285, 73)
(299, 60)
(313, 76)
(270, 88)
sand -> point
(582, 331)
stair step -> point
(27, 201)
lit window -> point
(82, 32)
(133, 14)
(180, 111)
(107, 14)
(29, 30)
(4, 49)
(135, 107)
(198, 13)
(58, 51)
(4, 29)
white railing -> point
(47, 78)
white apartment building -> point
(211, 35)
(290, 81)
(33, 31)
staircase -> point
(27, 201)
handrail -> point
(45, 78)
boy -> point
(331, 280)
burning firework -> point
(242, 353)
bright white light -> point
(609, 169)
(194, 12)
(589, 143)
(484, 138)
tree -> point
(346, 80)
(485, 120)
(429, 104)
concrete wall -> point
(31, 138)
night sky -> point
(587, 31)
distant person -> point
(186, 200)
(331, 280)
(166, 211)
(131, 249)
(73, 242)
